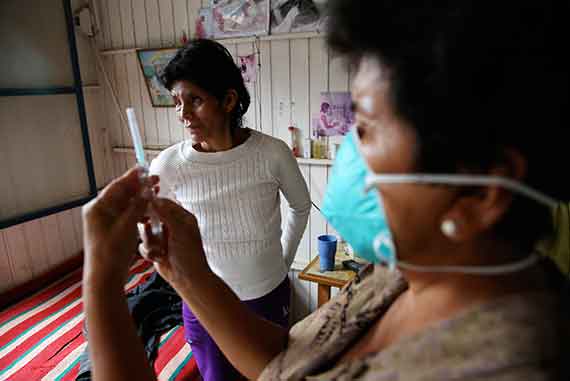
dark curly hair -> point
(475, 79)
(209, 65)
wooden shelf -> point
(151, 149)
(155, 150)
(325, 162)
(91, 87)
(238, 40)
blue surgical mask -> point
(353, 206)
(357, 213)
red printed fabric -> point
(41, 337)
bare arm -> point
(247, 340)
(294, 188)
(115, 350)
(110, 243)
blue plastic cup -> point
(327, 251)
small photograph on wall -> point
(248, 68)
(204, 26)
(289, 16)
(237, 18)
(335, 115)
(152, 62)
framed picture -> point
(248, 67)
(237, 18)
(335, 115)
(152, 62)
(289, 16)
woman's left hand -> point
(109, 226)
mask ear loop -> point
(383, 240)
(463, 180)
(459, 180)
(476, 270)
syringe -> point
(142, 162)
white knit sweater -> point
(234, 195)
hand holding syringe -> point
(142, 162)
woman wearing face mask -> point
(461, 111)
(230, 178)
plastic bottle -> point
(307, 148)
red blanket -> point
(41, 337)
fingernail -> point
(140, 228)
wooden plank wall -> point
(30, 249)
(293, 74)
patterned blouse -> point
(517, 337)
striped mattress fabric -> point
(41, 337)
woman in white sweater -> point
(230, 178)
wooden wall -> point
(293, 73)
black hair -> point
(474, 78)
(209, 65)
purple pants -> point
(211, 362)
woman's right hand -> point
(177, 253)
(178, 256)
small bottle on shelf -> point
(307, 148)
(322, 143)
(317, 148)
(294, 142)
(333, 149)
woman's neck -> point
(227, 140)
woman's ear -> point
(477, 212)
(230, 101)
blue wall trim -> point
(44, 91)
(43, 212)
(79, 95)
(78, 91)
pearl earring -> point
(448, 228)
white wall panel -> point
(266, 90)
(281, 85)
(300, 85)
(250, 119)
(33, 248)
(54, 239)
(36, 245)
(6, 267)
(16, 244)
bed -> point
(41, 336)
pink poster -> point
(204, 23)
(335, 115)
(248, 68)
